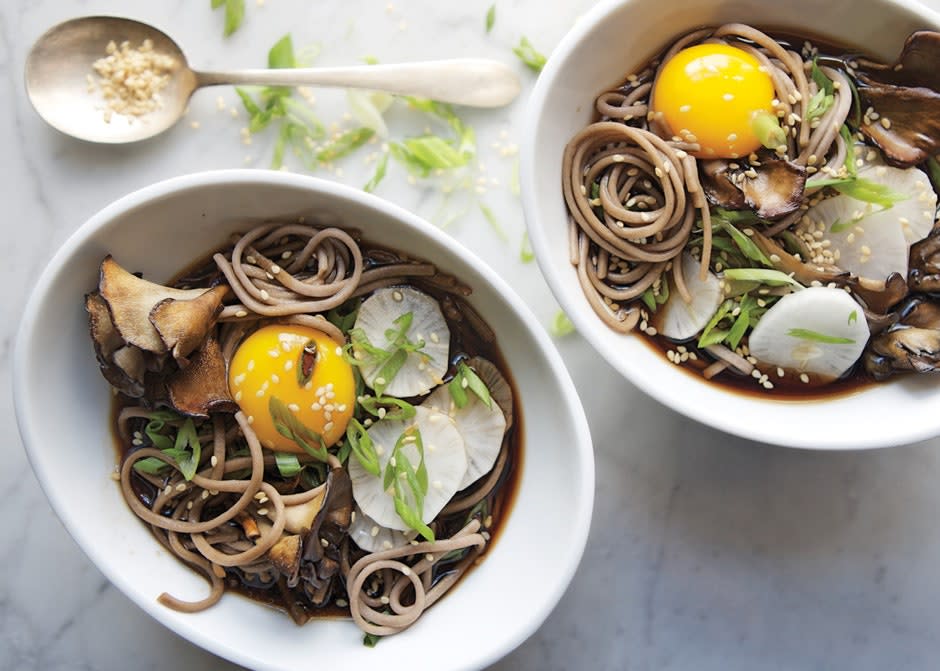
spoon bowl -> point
(63, 87)
(57, 80)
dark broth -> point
(465, 342)
(789, 387)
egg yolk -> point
(304, 369)
(709, 94)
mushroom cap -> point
(131, 302)
(202, 387)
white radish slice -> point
(817, 330)
(445, 459)
(679, 320)
(916, 213)
(423, 370)
(481, 427)
(869, 240)
(372, 537)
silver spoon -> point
(60, 63)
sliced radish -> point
(445, 459)
(373, 537)
(679, 320)
(869, 240)
(424, 369)
(817, 330)
(873, 241)
(481, 427)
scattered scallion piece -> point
(369, 640)
(494, 222)
(806, 334)
(526, 255)
(529, 55)
(288, 465)
(361, 445)
(399, 472)
(287, 424)
(766, 127)
(344, 144)
(378, 175)
(466, 379)
(234, 14)
(490, 18)
(762, 275)
(561, 325)
(744, 243)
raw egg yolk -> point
(710, 94)
(304, 369)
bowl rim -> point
(584, 485)
(580, 312)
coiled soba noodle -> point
(648, 198)
(205, 521)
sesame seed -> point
(374, 532)
(251, 365)
(293, 407)
(265, 295)
(241, 313)
(181, 487)
(288, 365)
(263, 511)
(238, 395)
(804, 378)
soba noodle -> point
(224, 520)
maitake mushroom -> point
(907, 95)
(772, 189)
(139, 328)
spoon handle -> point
(464, 81)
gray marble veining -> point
(707, 552)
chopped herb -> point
(369, 640)
(525, 251)
(822, 81)
(465, 379)
(288, 465)
(344, 316)
(739, 328)
(871, 192)
(490, 18)
(395, 408)
(493, 222)
(370, 60)
(379, 174)
(281, 55)
(409, 503)
(421, 155)
(856, 104)
(529, 55)
(561, 325)
(766, 128)
(388, 360)
(853, 317)
(343, 145)
(710, 334)
(819, 104)
(185, 450)
(744, 243)
(762, 275)
(839, 226)
(361, 445)
(649, 299)
(806, 334)
(850, 168)
(287, 424)
(234, 14)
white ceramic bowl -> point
(605, 45)
(62, 407)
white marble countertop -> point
(706, 552)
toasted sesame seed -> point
(241, 313)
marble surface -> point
(706, 551)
